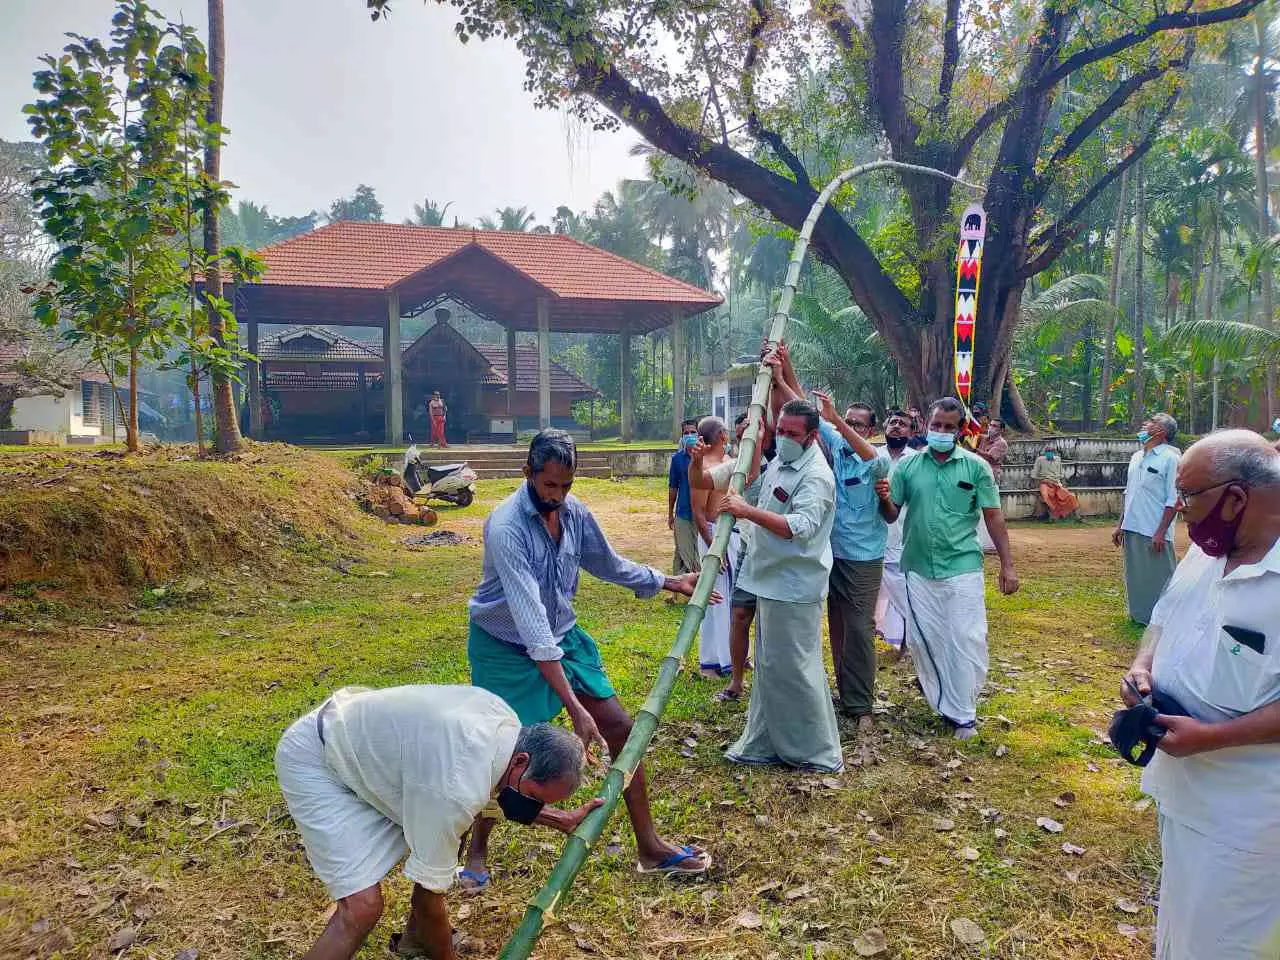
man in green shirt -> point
(948, 488)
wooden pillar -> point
(511, 382)
(625, 415)
(677, 371)
(392, 382)
(544, 363)
(255, 382)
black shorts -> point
(742, 598)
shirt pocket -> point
(568, 561)
(957, 496)
(1238, 676)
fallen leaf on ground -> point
(1002, 750)
(943, 824)
(748, 920)
(1072, 849)
(797, 893)
(121, 939)
(1072, 876)
(831, 783)
(1125, 905)
(967, 932)
(967, 853)
(1064, 799)
(187, 953)
(1127, 930)
(1140, 805)
(1049, 825)
(870, 943)
(884, 861)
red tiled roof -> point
(377, 256)
(562, 380)
(298, 343)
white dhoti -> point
(947, 639)
(350, 845)
(713, 637)
(891, 605)
(1215, 901)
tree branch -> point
(950, 59)
(757, 129)
(1179, 20)
(1103, 111)
(885, 82)
(834, 239)
(1057, 237)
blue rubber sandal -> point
(479, 880)
(671, 866)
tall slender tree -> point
(1139, 295)
(227, 426)
(1260, 98)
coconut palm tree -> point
(518, 219)
(428, 213)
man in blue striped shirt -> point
(525, 644)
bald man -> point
(1213, 646)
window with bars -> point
(739, 397)
(91, 403)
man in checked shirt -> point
(526, 646)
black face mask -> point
(542, 506)
(519, 807)
(895, 443)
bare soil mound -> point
(97, 523)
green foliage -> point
(362, 205)
(123, 127)
(519, 219)
(251, 225)
(428, 214)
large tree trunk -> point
(1137, 414)
(1264, 201)
(224, 402)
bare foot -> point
(966, 733)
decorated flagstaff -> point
(973, 230)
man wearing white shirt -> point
(1146, 524)
(1213, 646)
(891, 606)
(373, 775)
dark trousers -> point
(851, 611)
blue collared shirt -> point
(859, 532)
(528, 583)
(1152, 486)
(678, 480)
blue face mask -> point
(788, 449)
(1048, 454)
(689, 440)
(942, 442)
(1144, 436)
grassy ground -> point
(139, 799)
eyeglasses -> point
(1186, 497)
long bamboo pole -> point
(624, 765)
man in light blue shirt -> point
(858, 539)
(526, 646)
(1146, 525)
(790, 719)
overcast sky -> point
(320, 99)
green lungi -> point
(507, 671)
(1145, 574)
(790, 719)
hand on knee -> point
(361, 911)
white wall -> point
(720, 400)
(63, 414)
(45, 413)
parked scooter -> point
(451, 482)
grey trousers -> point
(686, 558)
(851, 610)
(790, 719)
(1145, 574)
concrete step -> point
(502, 473)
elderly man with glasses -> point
(1148, 518)
(1213, 648)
